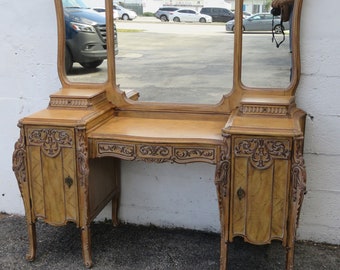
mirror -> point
(175, 62)
(187, 63)
(165, 62)
(266, 50)
(85, 46)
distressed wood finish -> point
(66, 159)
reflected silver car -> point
(189, 15)
(259, 22)
(124, 13)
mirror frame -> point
(228, 102)
(295, 57)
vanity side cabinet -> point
(57, 181)
(51, 167)
(60, 184)
(259, 188)
(267, 171)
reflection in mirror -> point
(175, 62)
(85, 51)
(162, 61)
(266, 52)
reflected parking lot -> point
(187, 63)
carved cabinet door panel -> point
(52, 174)
(259, 188)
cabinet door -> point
(259, 188)
(52, 174)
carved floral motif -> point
(82, 157)
(50, 140)
(298, 175)
(194, 153)
(19, 158)
(222, 175)
(262, 152)
(264, 110)
(156, 152)
(62, 102)
(125, 151)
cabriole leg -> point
(224, 254)
(32, 239)
(290, 258)
(222, 181)
(86, 246)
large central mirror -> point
(178, 59)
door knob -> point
(241, 193)
(69, 181)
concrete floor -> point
(129, 247)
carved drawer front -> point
(260, 188)
(156, 152)
(52, 174)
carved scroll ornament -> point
(19, 160)
(298, 175)
(82, 158)
(264, 110)
(194, 153)
(157, 152)
(222, 175)
(154, 153)
(123, 151)
(262, 152)
(50, 140)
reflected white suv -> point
(163, 13)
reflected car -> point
(189, 15)
(102, 12)
(218, 14)
(163, 13)
(259, 22)
(246, 14)
(124, 13)
(85, 35)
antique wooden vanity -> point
(67, 157)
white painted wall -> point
(170, 194)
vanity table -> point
(67, 158)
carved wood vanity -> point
(67, 157)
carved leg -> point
(116, 198)
(224, 230)
(290, 258)
(298, 178)
(224, 254)
(222, 181)
(115, 208)
(83, 178)
(32, 239)
(291, 237)
(223, 207)
(19, 168)
(86, 246)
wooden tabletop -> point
(160, 130)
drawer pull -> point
(240, 193)
(69, 181)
